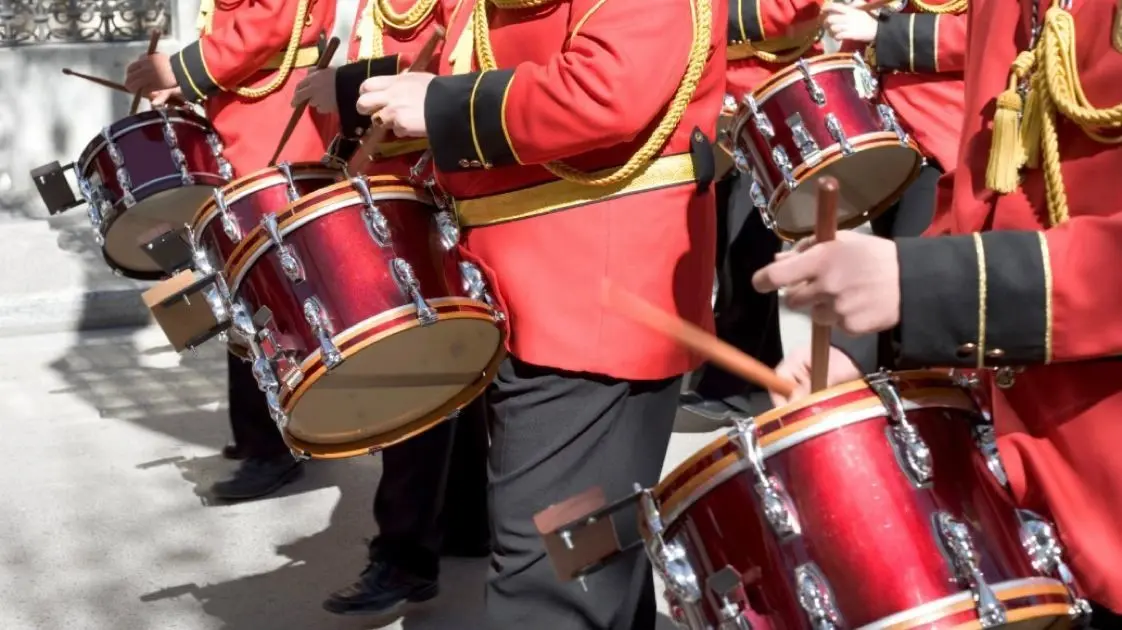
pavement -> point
(111, 440)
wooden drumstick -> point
(377, 135)
(153, 42)
(298, 111)
(690, 336)
(120, 87)
(826, 226)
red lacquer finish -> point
(842, 97)
(866, 528)
(146, 155)
(250, 198)
(352, 277)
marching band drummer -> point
(1016, 273)
(764, 36)
(242, 69)
(432, 497)
(575, 137)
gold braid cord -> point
(699, 53)
(287, 63)
(951, 6)
(783, 57)
(380, 15)
(1054, 87)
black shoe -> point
(716, 411)
(453, 548)
(233, 451)
(382, 588)
(258, 477)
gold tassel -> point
(1030, 122)
(369, 35)
(1006, 151)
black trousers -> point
(252, 426)
(555, 434)
(433, 488)
(750, 320)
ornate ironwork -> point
(24, 22)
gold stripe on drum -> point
(932, 612)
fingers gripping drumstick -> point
(298, 111)
(825, 228)
(694, 338)
(153, 42)
(377, 135)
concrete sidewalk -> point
(111, 441)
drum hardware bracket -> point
(783, 163)
(808, 148)
(54, 190)
(986, 442)
(778, 508)
(261, 334)
(316, 316)
(912, 452)
(118, 158)
(290, 185)
(267, 382)
(759, 119)
(172, 142)
(816, 598)
(174, 253)
(299, 455)
(376, 224)
(225, 170)
(449, 231)
(418, 169)
(668, 557)
(726, 585)
(863, 77)
(889, 123)
(408, 284)
(963, 558)
(289, 262)
(816, 93)
(833, 125)
(475, 285)
(1047, 556)
(230, 223)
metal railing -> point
(38, 22)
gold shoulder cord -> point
(702, 34)
(379, 15)
(1052, 77)
(949, 7)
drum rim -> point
(334, 198)
(138, 121)
(256, 181)
(790, 74)
(962, 602)
(314, 369)
(832, 155)
(679, 483)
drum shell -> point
(350, 275)
(865, 526)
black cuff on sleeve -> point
(191, 74)
(1016, 298)
(744, 22)
(907, 42)
(464, 118)
(938, 301)
(348, 80)
(862, 350)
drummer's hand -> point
(170, 96)
(397, 102)
(318, 90)
(852, 282)
(796, 367)
(150, 73)
(849, 22)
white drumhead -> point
(395, 381)
(170, 208)
(866, 180)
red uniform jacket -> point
(242, 48)
(921, 57)
(776, 27)
(578, 82)
(394, 51)
(1014, 290)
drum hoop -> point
(256, 243)
(1009, 590)
(791, 75)
(97, 145)
(243, 187)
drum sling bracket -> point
(171, 251)
(54, 189)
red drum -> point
(146, 172)
(235, 209)
(818, 117)
(378, 329)
(860, 507)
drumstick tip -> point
(828, 183)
